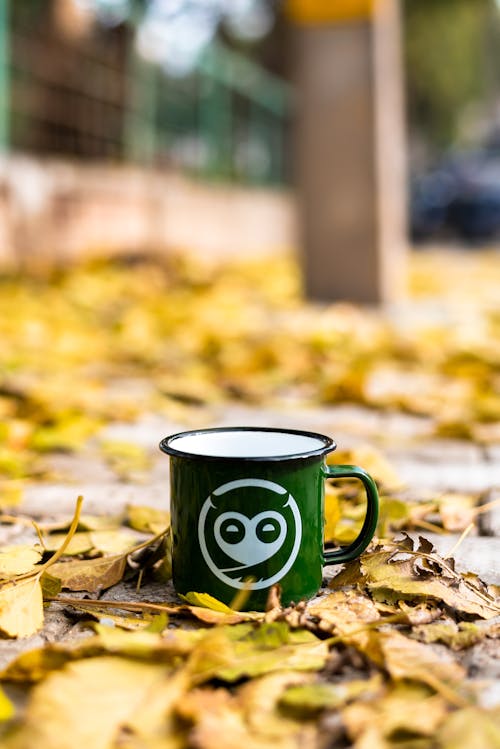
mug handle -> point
(348, 553)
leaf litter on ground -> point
(375, 657)
(164, 340)
(375, 663)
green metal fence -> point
(228, 119)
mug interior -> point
(247, 442)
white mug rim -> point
(327, 444)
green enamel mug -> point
(247, 512)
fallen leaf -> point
(332, 512)
(155, 719)
(259, 699)
(206, 601)
(471, 728)
(423, 574)
(125, 458)
(147, 519)
(394, 514)
(7, 709)
(86, 703)
(406, 709)
(219, 723)
(208, 609)
(21, 607)
(457, 510)
(343, 610)
(79, 544)
(405, 658)
(165, 647)
(309, 699)
(372, 461)
(119, 541)
(230, 653)
(106, 522)
(51, 586)
(455, 636)
(11, 492)
(17, 560)
(91, 575)
(34, 665)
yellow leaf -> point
(409, 575)
(259, 700)
(79, 544)
(211, 616)
(21, 607)
(11, 492)
(17, 560)
(206, 601)
(165, 647)
(7, 709)
(372, 461)
(219, 723)
(117, 541)
(155, 718)
(147, 519)
(406, 708)
(230, 653)
(310, 699)
(332, 512)
(405, 658)
(86, 703)
(456, 636)
(125, 458)
(471, 728)
(457, 510)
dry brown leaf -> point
(91, 575)
(405, 658)
(219, 723)
(342, 609)
(116, 541)
(423, 574)
(408, 709)
(259, 699)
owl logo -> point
(240, 546)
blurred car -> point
(460, 197)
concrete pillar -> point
(350, 149)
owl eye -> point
(268, 530)
(232, 530)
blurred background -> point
(276, 124)
(216, 205)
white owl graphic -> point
(239, 546)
